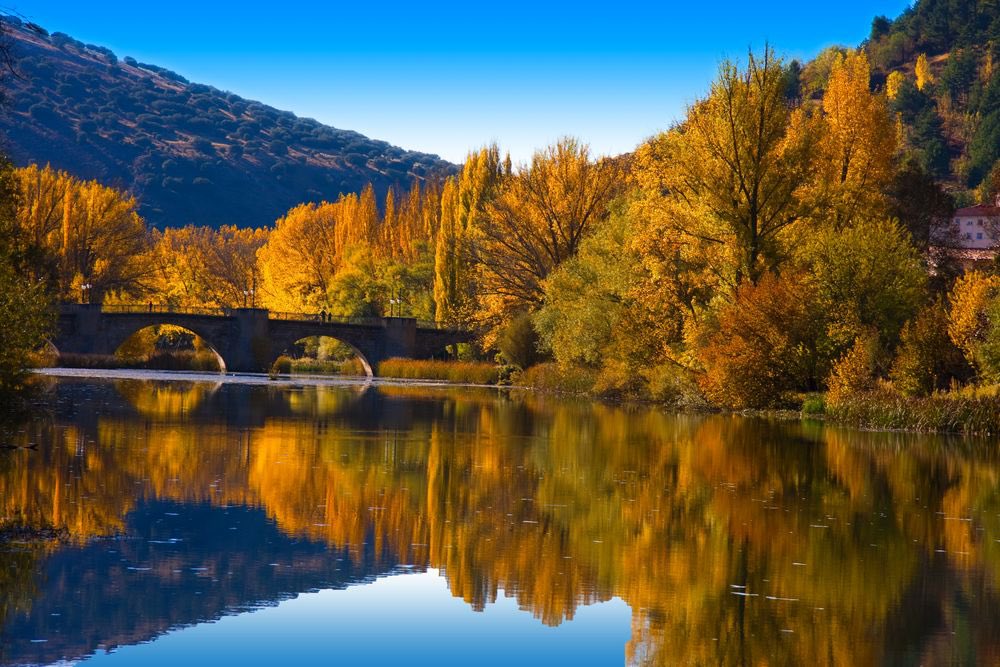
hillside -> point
(190, 153)
(951, 113)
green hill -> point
(952, 122)
(190, 153)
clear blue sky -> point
(444, 77)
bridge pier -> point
(250, 351)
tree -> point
(25, 298)
(94, 232)
(868, 278)
(767, 342)
(731, 178)
(857, 143)
(893, 83)
(973, 314)
(207, 267)
(927, 359)
(462, 202)
(536, 221)
(923, 72)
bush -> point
(563, 379)
(309, 366)
(855, 372)
(927, 359)
(766, 344)
(518, 342)
(813, 405)
(282, 366)
(465, 372)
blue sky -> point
(445, 77)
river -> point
(243, 523)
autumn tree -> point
(893, 83)
(768, 341)
(973, 316)
(923, 72)
(536, 221)
(730, 179)
(94, 232)
(301, 256)
(857, 144)
(209, 267)
(462, 202)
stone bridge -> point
(248, 340)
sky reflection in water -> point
(250, 525)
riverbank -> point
(246, 378)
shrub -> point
(518, 342)
(946, 413)
(813, 404)
(766, 344)
(563, 379)
(855, 371)
(282, 366)
(927, 359)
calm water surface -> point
(231, 524)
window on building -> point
(968, 236)
(979, 223)
(979, 236)
(968, 223)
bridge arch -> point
(287, 346)
(128, 334)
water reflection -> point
(734, 541)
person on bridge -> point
(322, 315)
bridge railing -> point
(330, 319)
(160, 308)
(164, 308)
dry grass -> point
(465, 372)
(970, 413)
(555, 378)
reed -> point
(945, 412)
(463, 372)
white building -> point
(977, 227)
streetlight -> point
(85, 292)
(245, 295)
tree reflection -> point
(735, 541)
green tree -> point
(733, 174)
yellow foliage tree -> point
(893, 82)
(728, 183)
(535, 222)
(923, 72)
(94, 232)
(857, 144)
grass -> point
(307, 366)
(465, 372)
(553, 378)
(163, 361)
(966, 412)
(285, 365)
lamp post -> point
(85, 293)
(245, 295)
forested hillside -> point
(189, 153)
(938, 64)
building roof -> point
(981, 210)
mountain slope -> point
(952, 116)
(190, 153)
